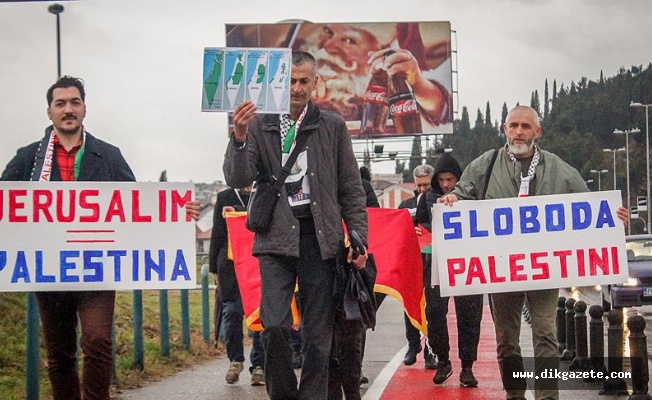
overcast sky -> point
(142, 62)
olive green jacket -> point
(552, 176)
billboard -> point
(385, 79)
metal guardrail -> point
(33, 330)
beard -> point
(521, 149)
(68, 130)
(341, 87)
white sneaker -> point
(257, 377)
(233, 374)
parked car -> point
(637, 291)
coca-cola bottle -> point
(376, 108)
(403, 106)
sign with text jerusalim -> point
(61, 236)
(528, 243)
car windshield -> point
(639, 249)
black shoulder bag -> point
(266, 193)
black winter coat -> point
(102, 162)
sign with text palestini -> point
(60, 236)
(528, 243)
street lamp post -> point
(614, 151)
(647, 153)
(604, 171)
(629, 206)
(57, 9)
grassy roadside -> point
(13, 352)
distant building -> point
(206, 193)
(394, 178)
(390, 194)
(203, 228)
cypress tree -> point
(416, 156)
(546, 99)
(487, 117)
(503, 118)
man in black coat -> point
(68, 152)
(230, 200)
(468, 309)
(422, 175)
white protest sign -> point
(528, 243)
(60, 236)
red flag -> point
(392, 241)
(241, 243)
(395, 247)
(247, 272)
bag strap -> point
(237, 193)
(488, 175)
(287, 168)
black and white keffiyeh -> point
(285, 125)
(525, 180)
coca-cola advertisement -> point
(385, 79)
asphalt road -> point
(385, 346)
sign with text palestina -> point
(96, 236)
(528, 243)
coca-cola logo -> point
(375, 94)
(403, 107)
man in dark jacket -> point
(468, 309)
(422, 175)
(230, 200)
(74, 155)
(306, 230)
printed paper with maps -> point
(235, 75)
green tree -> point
(546, 100)
(479, 121)
(465, 123)
(534, 102)
(416, 156)
(503, 118)
(487, 117)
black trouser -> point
(468, 310)
(412, 334)
(315, 277)
(217, 314)
(346, 359)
